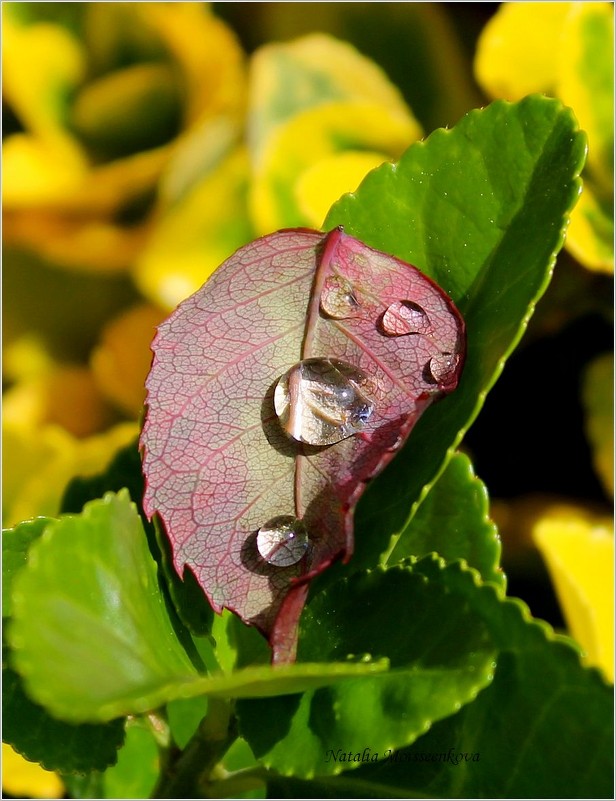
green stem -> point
(184, 775)
(236, 783)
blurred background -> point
(143, 143)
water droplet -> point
(405, 317)
(323, 401)
(443, 367)
(338, 300)
(282, 541)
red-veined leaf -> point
(377, 341)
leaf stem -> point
(184, 775)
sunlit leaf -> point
(579, 552)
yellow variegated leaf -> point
(565, 49)
(598, 396)
(579, 552)
(207, 52)
(40, 170)
(517, 50)
(121, 361)
(286, 79)
(586, 81)
(136, 108)
(39, 463)
(41, 63)
(195, 234)
(324, 182)
(63, 395)
(311, 136)
(590, 236)
(23, 779)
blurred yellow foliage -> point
(23, 779)
(310, 100)
(80, 179)
(120, 369)
(579, 551)
(564, 49)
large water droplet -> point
(443, 367)
(282, 541)
(323, 401)
(338, 300)
(405, 317)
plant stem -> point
(184, 775)
(240, 781)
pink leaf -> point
(241, 441)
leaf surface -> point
(219, 464)
(434, 669)
(482, 209)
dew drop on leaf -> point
(405, 317)
(282, 541)
(338, 299)
(443, 368)
(323, 401)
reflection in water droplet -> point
(338, 300)
(323, 401)
(405, 317)
(282, 541)
(443, 367)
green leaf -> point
(124, 471)
(184, 716)
(453, 521)
(541, 697)
(482, 209)
(16, 543)
(136, 772)
(56, 745)
(434, 669)
(91, 634)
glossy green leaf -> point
(91, 634)
(482, 209)
(55, 744)
(434, 669)
(453, 521)
(138, 765)
(542, 729)
(124, 471)
(16, 542)
(184, 716)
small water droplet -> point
(323, 401)
(338, 299)
(282, 541)
(405, 317)
(443, 367)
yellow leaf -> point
(194, 235)
(324, 182)
(517, 49)
(286, 79)
(121, 361)
(309, 137)
(40, 171)
(586, 81)
(207, 52)
(565, 49)
(42, 63)
(579, 552)
(39, 463)
(598, 397)
(23, 779)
